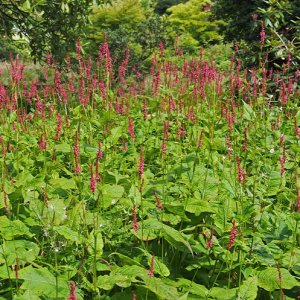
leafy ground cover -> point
(183, 184)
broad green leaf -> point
(223, 294)
(23, 178)
(122, 276)
(249, 114)
(125, 259)
(65, 148)
(162, 290)
(42, 282)
(177, 208)
(23, 250)
(262, 254)
(27, 295)
(12, 229)
(89, 149)
(116, 133)
(176, 239)
(111, 194)
(274, 183)
(268, 279)
(63, 183)
(6, 272)
(248, 289)
(95, 242)
(197, 207)
(106, 282)
(149, 229)
(188, 286)
(170, 218)
(68, 233)
(29, 195)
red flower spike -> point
(131, 129)
(93, 180)
(151, 270)
(135, 224)
(241, 172)
(209, 243)
(72, 295)
(141, 164)
(158, 203)
(233, 234)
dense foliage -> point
(162, 164)
(183, 184)
(52, 25)
(279, 20)
(193, 20)
(128, 24)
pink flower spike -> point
(131, 129)
(141, 164)
(233, 234)
(151, 270)
(93, 180)
(135, 224)
(72, 295)
(158, 202)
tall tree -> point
(47, 25)
(193, 20)
(280, 20)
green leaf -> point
(176, 239)
(223, 293)
(162, 290)
(23, 250)
(116, 133)
(189, 286)
(106, 282)
(249, 289)
(268, 279)
(68, 233)
(6, 273)
(274, 183)
(149, 229)
(159, 267)
(262, 254)
(65, 148)
(63, 183)
(29, 195)
(197, 207)
(89, 149)
(41, 282)
(27, 295)
(125, 259)
(111, 194)
(121, 276)
(249, 114)
(177, 209)
(95, 242)
(11, 229)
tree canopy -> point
(193, 19)
(47, 25)
(279, 19)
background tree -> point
(195, 24)
(46, 25)
(161, 6)
(127, 23)
(281, 21)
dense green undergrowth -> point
(180, 185)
